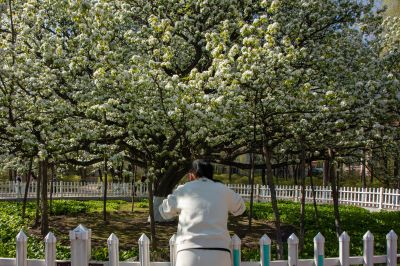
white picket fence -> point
(379, 198)
(80, 239)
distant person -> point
(202, 205)
(18, 180)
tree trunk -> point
(164, 185)
(251, 189)
(53, 175)
(230, 174)
(151, 214)
(112, 172)
(105, 186)
(303, 198)
(100, 175)
(28, 181)
(263, 177)
(267, 157)
(120, 172)
(82, 173)
(326, 180)
(38, 186)
(45, 214)
(363, 173)
(397, 170)
(314, 198)
(333, 178)
(133, 186)
(372, 172)
(10, 175)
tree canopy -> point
(158, 83)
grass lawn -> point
(129, 226)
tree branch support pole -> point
(151, 212)
(303, 197)
(45, 210)
(38, 186)
(335, 196)
(274, 202)
(28, 180)
(105, 184)
(314, 197)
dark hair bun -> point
(203, 168)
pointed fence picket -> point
(113, 250)
(50, 249)
(80, 252)
(21, 257)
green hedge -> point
(354, 220)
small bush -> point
(67, 207)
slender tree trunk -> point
(303, 198)
(120, 172)
(371, 177)
(10, 175)
(105, 191)
(53, 175)
(100, 175)
(363, 173)
(274, 202)
(263, 177)
(82, 173)
(112, 172)
(396, 170)
(230, 174)
(151, 214)
(28, 181)
(325, 180)
(133, 186)
(251, 189)
(38, 186)
(45, 214)
(314, 198)
(333, 178)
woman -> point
(202, 238)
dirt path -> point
(129, 227)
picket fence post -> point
(79, 238)
(296, 193)
(265, 250)
(293, 250)
(391, 248)
(344, 249)
(368, 241)
(21, 257)
(113, 250)
(236, 245)
(50, 249)
(172, 250)
(61, 188)
(319, 249)
(381, 198)
(257, 193)
(144, 253)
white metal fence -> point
(80, 239)
(380, 198)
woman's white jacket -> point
(202, 206)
